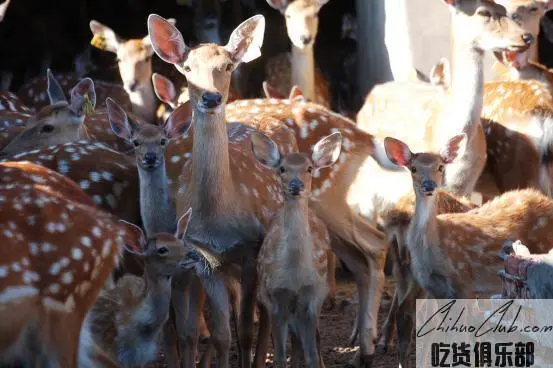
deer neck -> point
(143, 102)
(156, 208)
(298, 243)
(533, 52)
(424, 223)
(157, 296)
(465, 97)
(303, 70)
(211, 184)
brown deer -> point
(126, 322)
(57, 253)
(10, 102)
(60, 122)
(292, 259)
(298, 68)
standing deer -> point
(126, 321)
(232, 196)
(60, 122)
(57, 252)
(292, 259)
(298, 68)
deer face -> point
(302, 20)
(208, 67)
(527, 13)
(486, 25)
(427, 169)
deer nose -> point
(527, 38)
(211, 99)
(295, 187)
(150, 158)
(428, 186)
(133, 86)
(306, 39)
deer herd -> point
(125, 208)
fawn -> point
(292, 260)
(126, 322)
(59, 122)
(57, 252)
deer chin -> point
(209, 110)
(512, 59)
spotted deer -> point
(337, 192)
(292, 259)
(57, 254)
(60, 122)
(232, 196)
(10, 102)
(439, 245)
(298, 67)
(126, 322)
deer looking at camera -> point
(298, 68)
(292, 259)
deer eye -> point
(441, 168)
(136, 143)
(162, 251)
(515, 17)
(187, 69)
(282, 169)
(310, 169)
(163, 141)
(47, 128)
(484, 13)
(533, 9)
(413, 169)
(230, 66)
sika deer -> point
(231, 205)
(60, 122)
(126, 322)
(477, 26)
(57, 251)
(298, 68)
(292, 259)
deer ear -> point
(271, 92)
(118, 120)
(4, 9)
(166, 40)
(178, 122)
(134, 240)
(320, 3)
(83, 96)
(54, 90)
(452, 2)
(182, 224)
(104, 37)
(397, 151)
(295, 92)
(265, 150)
(440, 73)
(327, 150)
(246, 40)
(454, 148)
(278, 4)
(164, 89)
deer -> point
(59, 122)
(53, 266)
(292, 259)
(10, 102)
(298, 67)
(127, 320)
(439, 245)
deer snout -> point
(132, 86)
(428, 187)
(150, 159)
(527, 38)
(211, 100)
(295, 187)
(306, 39)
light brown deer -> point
(292, 259)
(299, 67)
(232, 195)
(60, 122)
(126, 322)
(57, 253)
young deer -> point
(440, 245)
(126, 322)
(292, 259)
(60, 122)
(57, 252)
(298, 68)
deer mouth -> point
(512, 59)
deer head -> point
(427, 169)
(302, 20)
(149, 140)
(296, 169)
(207, 67)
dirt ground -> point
(336, 326)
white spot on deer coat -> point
(67, 278)
(85, 240)
(16, 293)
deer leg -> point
(170, 341)
(296, 349)
(279, 328)
(321, 361)
(262, 337)
(306, 323)
(387, 329)
(331, 279)
(247, 306)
